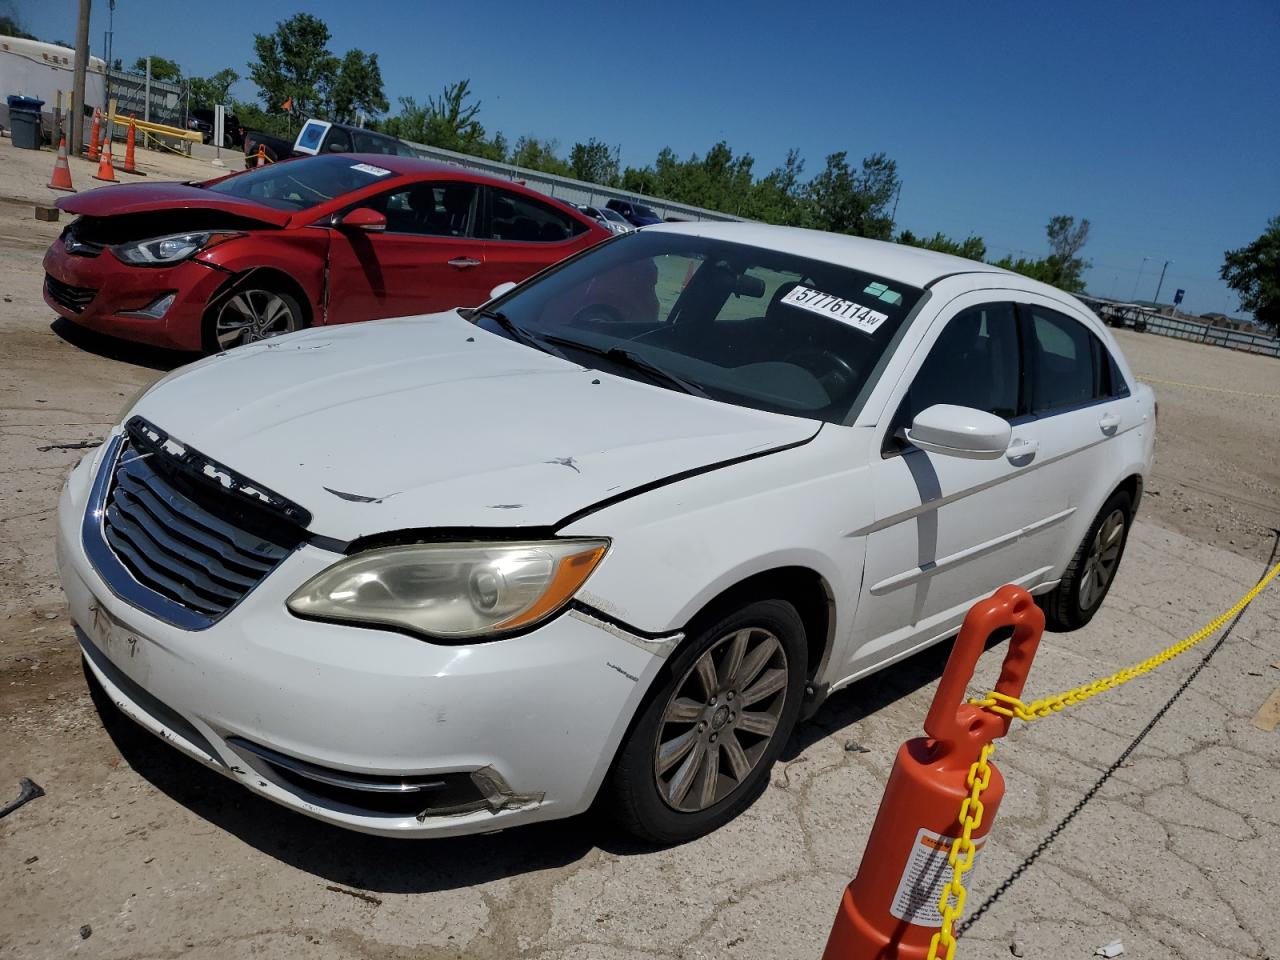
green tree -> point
(448, 121)
(842, 200)
(294, 65)
(358, 87)
(1063, 267)
(162, 69)
(535, 154)
(594, 162)
(9, 28)
(971, 247)
(778, 197)
(209, 91)
(1254, 273)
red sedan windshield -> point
(304, 183)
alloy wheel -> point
(1104, 557)
(253, 315)
(720, 719)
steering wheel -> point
(829, 369)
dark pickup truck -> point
(321, 136)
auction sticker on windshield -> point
(825, 305)
(370, 168)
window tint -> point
(973, 363)
(432, 209)
(517, 217)
(1064, 361)
(1117, 387)
(366, 142)
(339, 141)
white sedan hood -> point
(432, 422)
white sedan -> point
(612, 534)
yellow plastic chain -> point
(1036, 709)
(960, 859)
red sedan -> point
(317, 240)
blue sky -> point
(1158, 121)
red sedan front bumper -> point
(98, 293)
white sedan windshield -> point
(759, 328)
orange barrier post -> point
(105, 170)
(130, 145)
(61, 179)
(262, 156)
(890, 910)
(95, 136)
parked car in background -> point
(232, 132)
(636, 214)
(321, 136)
(592, 540)
(306, 242)
(611, 220)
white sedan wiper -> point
(625, 358)
(519, 332)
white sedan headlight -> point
(160, 251)
(452, 591)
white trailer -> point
(29, 68)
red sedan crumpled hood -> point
(146, 197)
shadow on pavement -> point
(140, 355)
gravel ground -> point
(136, 852)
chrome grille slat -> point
(172, 542)
(145, 502)
(148, 572)
(157, 545)
(136, 473)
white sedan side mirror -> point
(960, 432)
(500, 289)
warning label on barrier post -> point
(925, 874)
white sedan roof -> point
(893, 261)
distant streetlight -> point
(1161, 283)
(1139, 280)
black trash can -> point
(24, 122)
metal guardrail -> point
(566, 188)
(1193, 330)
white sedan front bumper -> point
(517, 730)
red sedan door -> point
(522, 235)
(427, 259)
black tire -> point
(634, 796)
(1074, 601)
(250, 292)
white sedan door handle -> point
(462, 263)
(1022, 451)
(1108, 423)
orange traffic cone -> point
(130, 144)
(105, 170)
(95, 138)
(262, 156)
(61, 179)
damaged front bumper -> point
(368, 729)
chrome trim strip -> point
(658, 646)
(333, 778)
(914, 574)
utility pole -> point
(1139, 280)
(77, 84)
(1161, 283)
